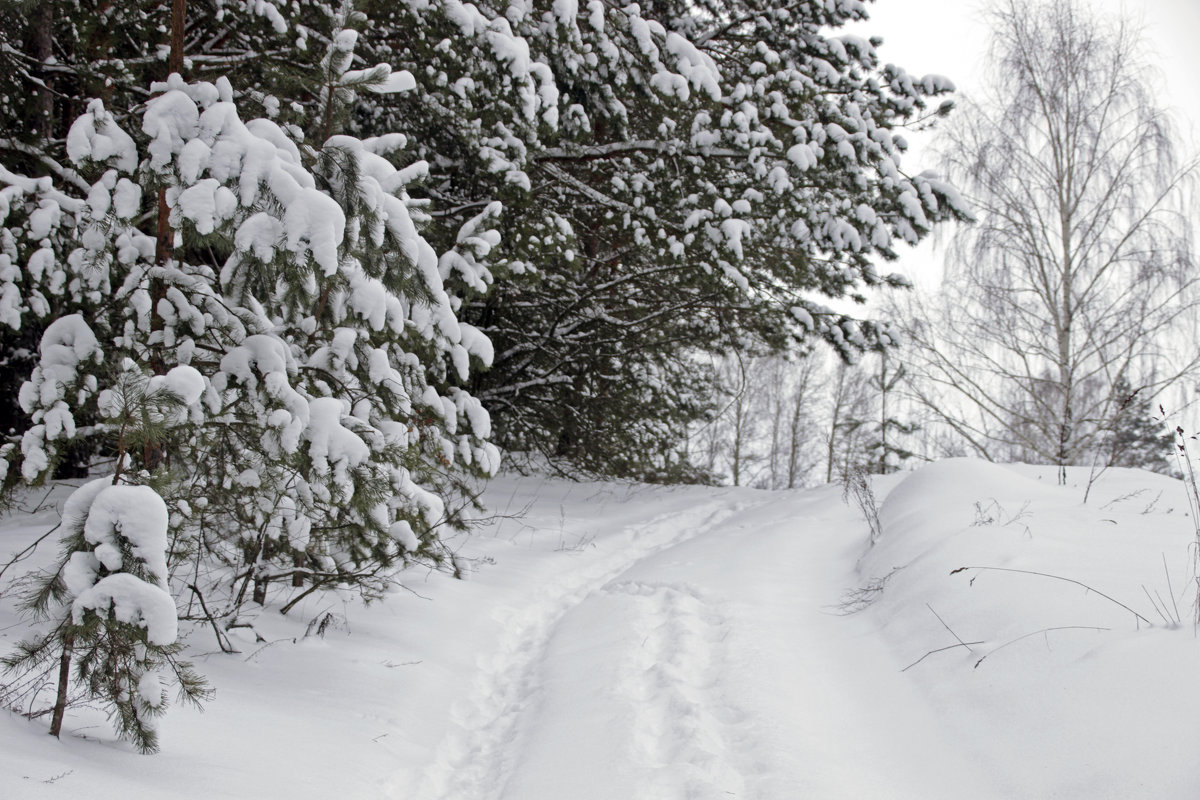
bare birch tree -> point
(1079, 271)
(768, 431)
(796, 444)
(850, 410)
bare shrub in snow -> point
(857, 484)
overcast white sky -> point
(950, 37)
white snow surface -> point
(622, 641)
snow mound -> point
(1040, 626)
(940, 499)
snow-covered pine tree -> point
(329, 444)
(109, 618)
(676, 178)
(53, 56)
(57, 54)
(39, 283)
(113, 627)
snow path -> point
(704, 659)
(475, 759)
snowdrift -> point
(1072, 661)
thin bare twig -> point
(941, 650)
(947, 627)
(1171, 589)
(1057, 578)
(222, 640)
(28, 551)
(1035, 633)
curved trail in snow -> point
(700, 660)
(476, 758)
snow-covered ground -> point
(624, 642)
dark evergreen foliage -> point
(1137, 435)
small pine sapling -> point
(113, 621)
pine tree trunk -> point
(64, 680)
(266, 551)
(178, 22)
(43, 52)
(153, 453)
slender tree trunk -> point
(738, 433)
(838, 399)
(883, 414)
(1064, 437)
(64, 680)
(796, 424)
(178, 23)
(794, 441)
(260, 590)
(1066, 377)
(153, 453)
(777, 400)
(43, 52)
(165, 245)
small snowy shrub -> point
(112, 620)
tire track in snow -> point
(475, 759)
(685, 732)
